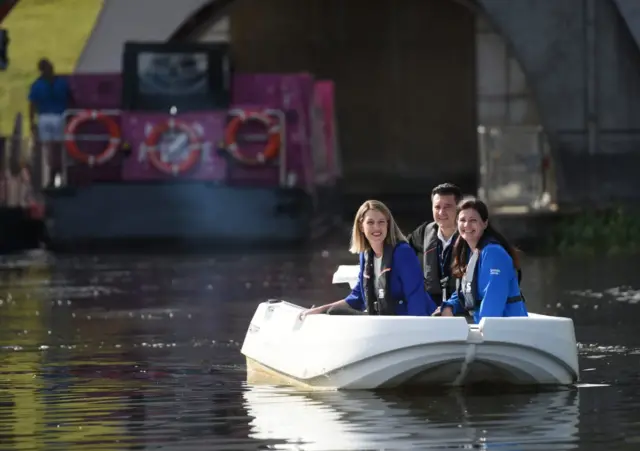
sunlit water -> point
(126, 352)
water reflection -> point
(365, 420)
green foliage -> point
(612, 231)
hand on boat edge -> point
(310, 311)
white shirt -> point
(444, 241)
(377, 266)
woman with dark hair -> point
(486, 266)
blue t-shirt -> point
(50, 97)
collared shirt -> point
(442, 239)
(444, 250)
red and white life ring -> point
(152, 140)
(274, 139)
(70, 137)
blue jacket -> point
(497, 281)
(406, 283)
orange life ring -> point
(89, 159)
(272, 148)
(155, 158)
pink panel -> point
(96, 90)
(208, 126)
(292, 95)
(298, 89)
(324, 91)
(262, 89)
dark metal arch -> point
(201, 20)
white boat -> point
(371, 352)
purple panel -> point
(208, 126)
(262, 89)
(3, 147)
(96, 90)
(324, 93)
(297, 90)
(291, 94)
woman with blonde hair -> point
(390, 281)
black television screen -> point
(191, 77)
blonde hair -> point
(359, 242)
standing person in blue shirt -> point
(433, 242)
(49, 97)
(390, 281)
(487, 268)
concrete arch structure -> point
(584, 68)
(146, 20)
(580, 60)
(630, 11)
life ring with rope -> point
(109, 151)
(152, 145)
(274, 140)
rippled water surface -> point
(122, 352)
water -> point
(124, 352)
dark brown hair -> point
(461, 248)
(447, 189)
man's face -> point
(444, 210)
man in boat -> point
(49, 97)
(433, 242)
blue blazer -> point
(406, 283)
(497, 281)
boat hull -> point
(195, 213)
(375, 352)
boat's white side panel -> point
(373, 351)
(346, 274)
(322, 344)
(551, 335)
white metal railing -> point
(40, 160)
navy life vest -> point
(436, 263)
(377, 293)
